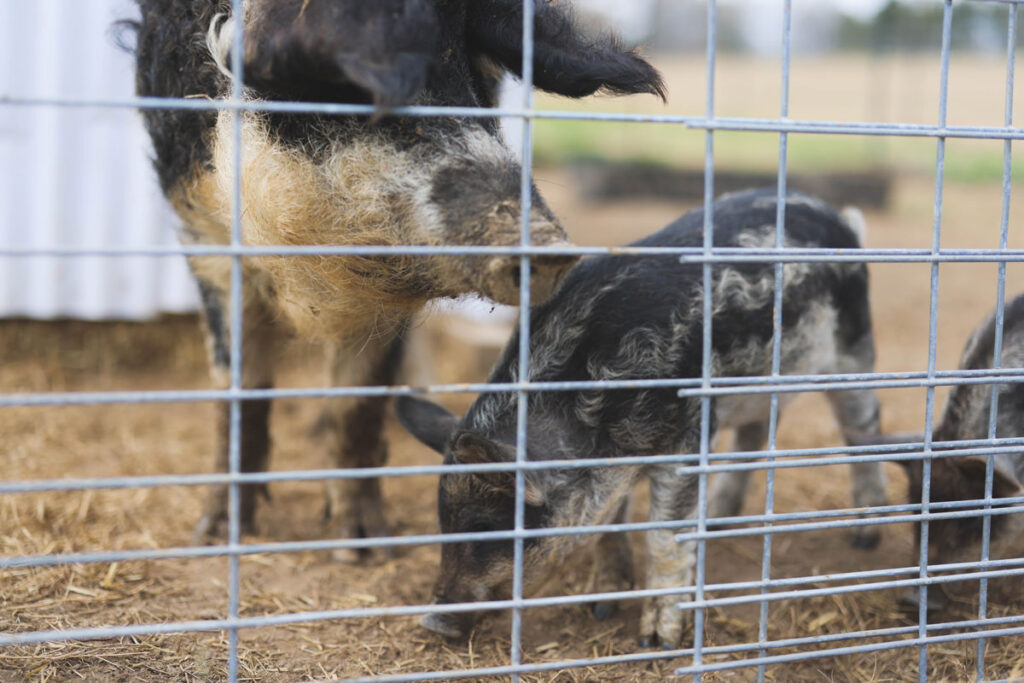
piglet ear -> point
(565, 61)
(1004, 484)
(473, 449)
(322, 49)
(431, 424)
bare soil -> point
(82, 441)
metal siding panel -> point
(79, 177)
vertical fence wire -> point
(773, 410)
(997, 351)
(236, 336)
(522, 398)
(933, 318)
(706, 344)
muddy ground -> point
(80, 441)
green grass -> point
(561, 141)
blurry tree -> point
(913, 27)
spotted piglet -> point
(962, 478)
(627, 317)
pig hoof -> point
(645, 642)
(366, 556)
(865, 539)
(603, 610)
(210, 528)
(213, 526)
(661, 622)
(355, 510)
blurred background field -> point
(847, 87)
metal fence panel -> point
(695, 658)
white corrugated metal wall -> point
(78, 176)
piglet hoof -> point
(604, 610)
(612, 572)
(661, 623)
(865, 538)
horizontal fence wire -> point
(705, 123)
(1002, 568)
(731, 462)
(726, 255)
(696, 599)
(860, 515)
(687, 387)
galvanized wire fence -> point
(697, 657)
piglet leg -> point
(612, 568)
(670, 564)
(728, 489)
(858, 415)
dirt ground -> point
(164, 439)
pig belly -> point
(732, 412)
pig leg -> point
(613, 566)
(261, 344)
(857, 412)
(728, 489)
(669, 564)
(351, 431)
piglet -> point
(628, 317)
(962, 478)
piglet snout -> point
(454, 626)
(910, 599)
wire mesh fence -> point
(697, 656)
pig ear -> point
(565, 62)
(973, 467)
(428, 422)
(343, 50)
(473, 449)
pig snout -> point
(504, 281)
(451, 625)
(910, 599)
(455, 590)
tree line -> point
(902, 26)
